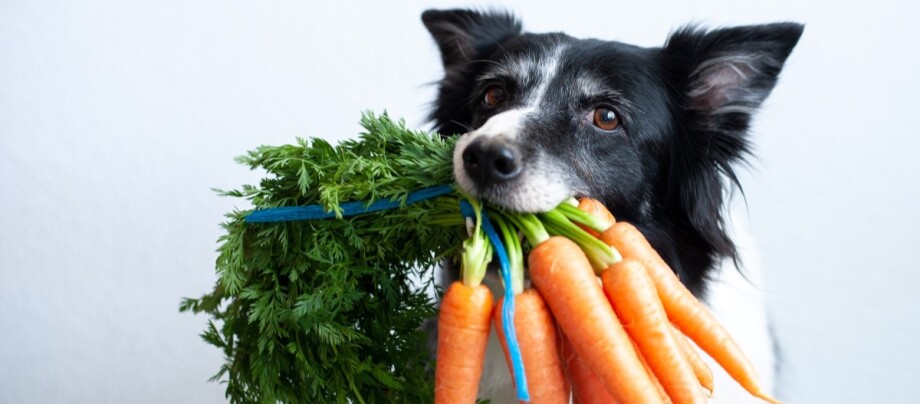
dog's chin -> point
(517, 198)
(521, 205)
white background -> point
(116, 119)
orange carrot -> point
(536, 333)
(636, 303)
(598, 210)
(565, 278)
(684, 310)
(658, 387)
(587, 388)
(463, 333)
(702, 371)
(561, 348)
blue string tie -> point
(313, 212)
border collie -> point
(653, 133)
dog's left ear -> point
(729, 72)
(721, 78)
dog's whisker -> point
(465, 126)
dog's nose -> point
(491, 162)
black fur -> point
(685, 109)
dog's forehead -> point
(578, 67)
(529, 61)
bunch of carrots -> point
(605, 321)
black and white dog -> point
(654, 133)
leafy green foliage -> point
(330, 310)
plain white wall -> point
(117, 117)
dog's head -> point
(652, 132)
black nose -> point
(491, 162)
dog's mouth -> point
(520, 199)
(521, 205)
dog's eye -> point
(605, 119)
(494, 96)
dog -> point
(655, 134)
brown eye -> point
(494, 96)
(605, 119)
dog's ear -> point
(464, 38)
(463, 35)
(729, 72)
(721, 78)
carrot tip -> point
(767, 398)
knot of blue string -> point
(315, 212)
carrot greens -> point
(330, 310)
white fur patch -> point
(506, 124)
(548, 69)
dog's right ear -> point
(466, 35)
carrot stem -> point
(477, 251)
(600, 254)
(531, 226)
(447, 220)
(581, 217)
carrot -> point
(636, 303)
(658, 387)
(596, 209)
(463, 333)
(565, 278)
(702, 371)
(537, 339)
(587, 388)
(561, 347)
(684, 310)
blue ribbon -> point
(514, 350)
(312, 212)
